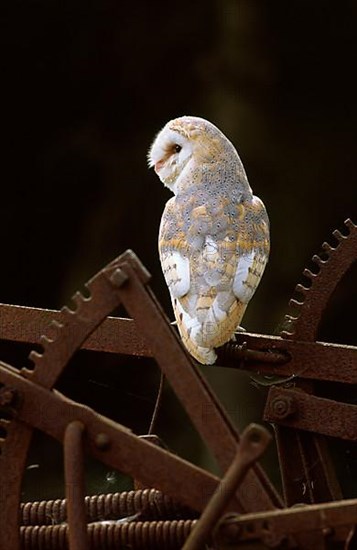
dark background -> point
(87, 85)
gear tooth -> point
(290, 318)
(350, 225)
(295, 303)
(53, 329)
(27, 373)
(67, 311)
(327, 247)
(338, 235)
(78, 299)
(34, 356)
(56, 324)
(309, 274)
(87, 292)
(317, 260)
(45, 340)
(301, 288)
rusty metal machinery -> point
(183, 506)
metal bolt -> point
(118, 277)
(283, 406)
(102, 441)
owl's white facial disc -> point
(169, 154)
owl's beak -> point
(158, 165)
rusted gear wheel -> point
(304, 323)
(307, 472)
(64, 337)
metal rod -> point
(253, 443)
(75, 486)
(311, 360)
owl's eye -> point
(177, 148)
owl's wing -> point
(252, 249)
(173, 250)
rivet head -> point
(118, 277)
(102, 441)
(282, 407)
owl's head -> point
(185, 140)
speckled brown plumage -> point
(214, 233)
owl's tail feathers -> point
(205, 356)
(200, 337)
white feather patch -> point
(241, 287)
(176, 270)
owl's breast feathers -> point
(213, 254)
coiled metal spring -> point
(148, 504)
(148, 535)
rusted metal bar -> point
(28, 324)
(205, 411)
(75, 486)
(315, 414)
(113, 444)
(252, 445)
(274, 526)
(257, 352)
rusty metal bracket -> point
(302, 411)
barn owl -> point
(214, 233)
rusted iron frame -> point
(314, 414)
(312, 465)
(196, 396)
(75, 486)
(64, 336)
(309, 370)
(253, 442)
(308, 360)
(111, 443)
